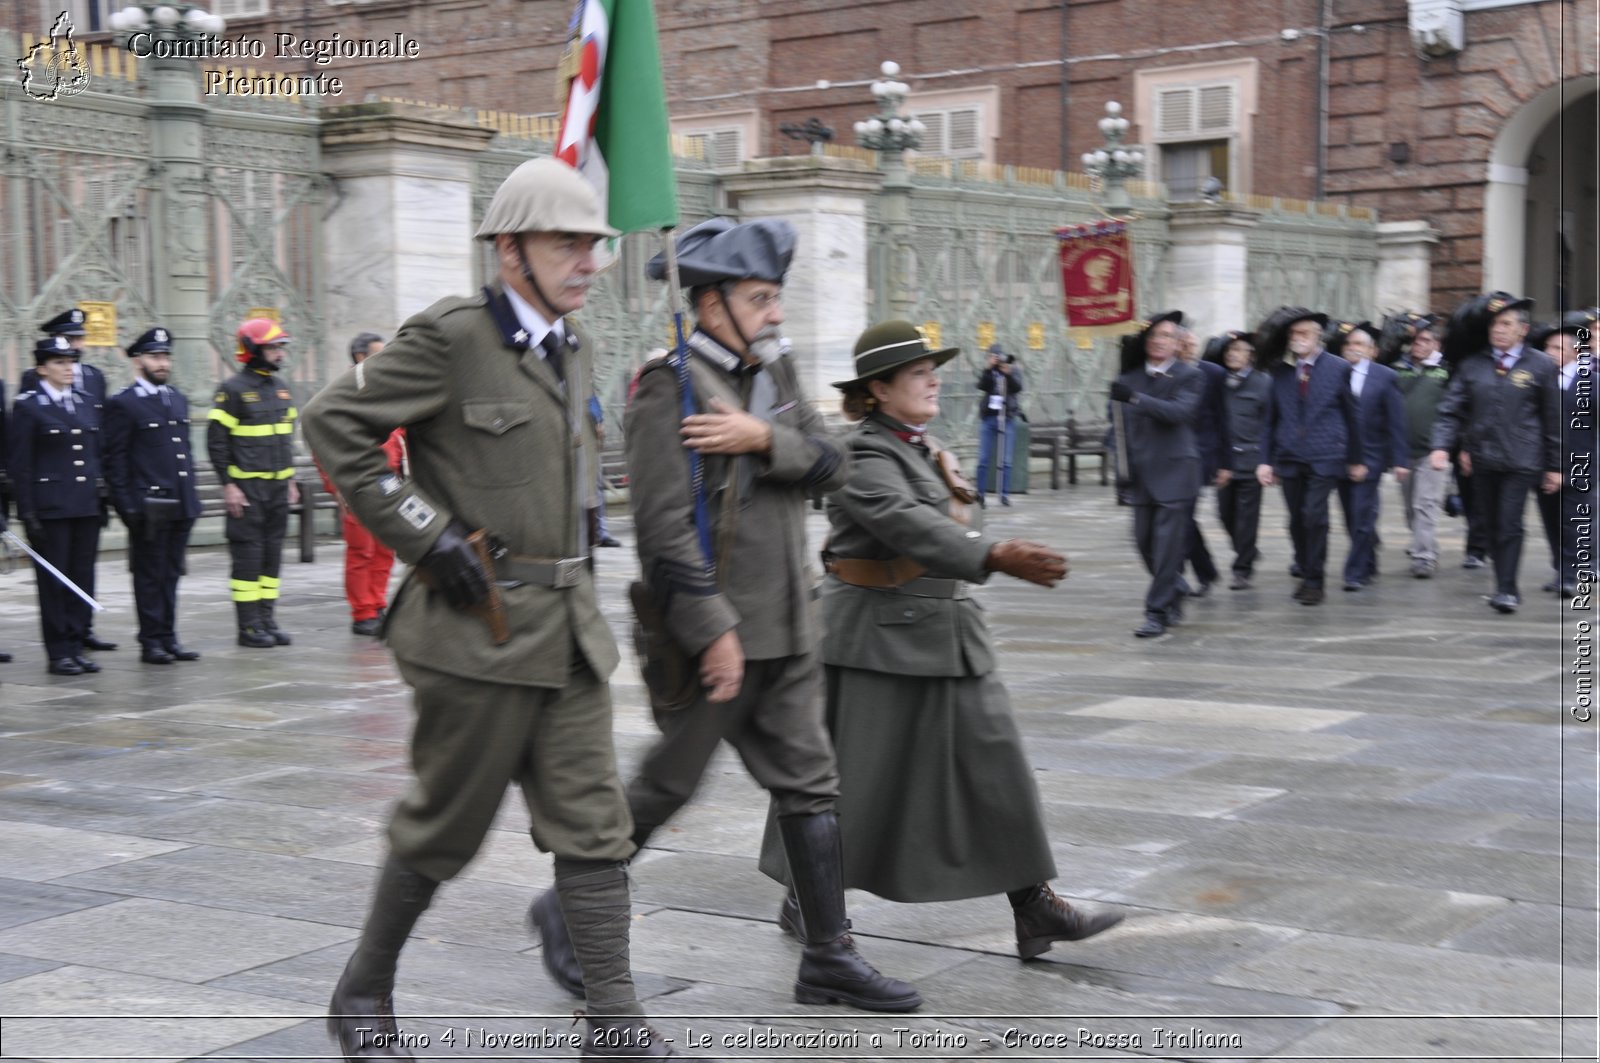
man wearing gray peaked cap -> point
(491, 390)
(745, 618)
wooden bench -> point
(312, 499)
(1068, 441)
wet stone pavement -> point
(1365, 829)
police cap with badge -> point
(52, 347)
(67, 323)
(155, 341)
(1468, 333)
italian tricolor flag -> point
(614, 125)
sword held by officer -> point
(12, 538)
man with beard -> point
(1503, 407)
(250, 443)
(740, 604)
(151, 475)
(1312, 438)
(1161, 396)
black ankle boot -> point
(550, 927)
(361, 1013)
(831, 970)
(1043, 919)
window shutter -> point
(963, 132)
(240, 8)
(726, 148)
(933, 140)
(1175, 112)
(1216, 108)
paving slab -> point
(26, 902)
(36, 852)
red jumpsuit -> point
(367, 561)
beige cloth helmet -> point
(547, 196)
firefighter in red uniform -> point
(367, 561)
(251, 445)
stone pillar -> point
(399, 236)
(177, 122)
(1405, 266)
(825, 296)
(1505, 229)
(1207, 268)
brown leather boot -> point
(1043, 919)
(361, 1013)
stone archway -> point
(1527, 215)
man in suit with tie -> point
(1381, 409)
(150, 470)
(1567, 512)
(73, 325)
(1313, 435)
(1503, 407)
(53, 453)
(1160, 396)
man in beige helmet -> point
(491, 390)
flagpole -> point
(680, 365)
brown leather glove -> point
(1034, 562)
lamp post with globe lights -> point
(891, 133)
(1113, 164)
(171, 40)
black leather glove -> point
(1120, 392)
(453, 568)
(35, 528)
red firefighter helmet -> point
(257, 333)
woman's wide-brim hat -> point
(887, 346)
(1272, 337)
(1133, 342)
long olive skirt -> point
(936, 798)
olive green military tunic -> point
(763, 591)
(497, 442)
(936, 797)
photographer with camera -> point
(1000, 380)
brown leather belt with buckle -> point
(900, 574)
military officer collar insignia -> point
(505, 319)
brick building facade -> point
(1311, 99)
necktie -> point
(1234, 380)
(1305, 378)
(66, 402)
(552, 353)
(1504, 360)
(166, 396)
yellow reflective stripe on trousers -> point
(246, 590)
(282, 428)
(269, 588)
(239, 474)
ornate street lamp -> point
(890, 131)
(168, 21)
(1114, 164)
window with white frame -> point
(240, 8)
(952, 132)
(721, 148)
(1195, 126)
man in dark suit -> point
(1313, 435)
(150, 470)
(1570, 344)
(1246, 393)
(1503, 408)
(54, 456)
(1211, 437)
(1160, 396)
(1381, 409)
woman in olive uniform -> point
(936, 798)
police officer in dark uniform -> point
(1503, 408)
(54, 457)
(250, 440)
(151, 474)
(72, 324)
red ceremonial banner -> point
(1097, 276)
